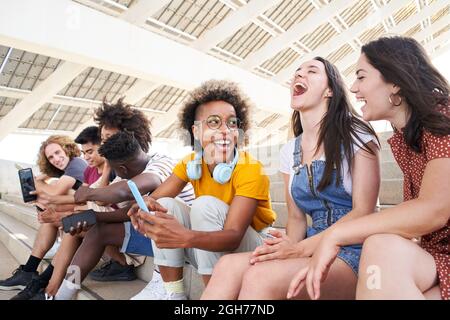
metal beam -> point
(139, 91)
(403, 27)
(297, 31)
(40, 95)
(232, 23)
(338, 41)
(140, 10)
(93, 38)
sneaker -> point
(19, 279)
(175, 296)
(154, 290)
(113, 271)
(32, 288)
(42, 295)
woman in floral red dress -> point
(398, 83)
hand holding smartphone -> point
(137, 195)
(87, 216)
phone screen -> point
(27, 184)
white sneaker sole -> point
(4, 288)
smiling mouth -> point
(362, 102)
(299, 89)
(222, 143)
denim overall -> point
(325, 207)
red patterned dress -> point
(413, 166)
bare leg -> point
(61, 261)
(271, 279)
(94, 244)
(170, 274)
(393, 267)
(44, 240)
(225, 285)
(206, 278)
(115, 254)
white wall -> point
(9, 178)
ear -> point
(328, 93)
(395, 89)
(124, 169)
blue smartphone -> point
(137, 195)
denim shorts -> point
(136, 243)
(349, 254)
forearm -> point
(216, 241)
(114, 193)
(65, 207)
(116, 216)
(409, 219)
(296, 229)
(62, 199)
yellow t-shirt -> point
(248, 179)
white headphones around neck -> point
(221, 174)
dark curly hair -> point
(120, 147)
(123, 117)
(90, 134)
(67, 144)
(215, 90)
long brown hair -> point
(67, 144)
(404, 62)
(339, 127)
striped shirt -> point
(162, 166)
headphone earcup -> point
(194, 170)
(222, 173)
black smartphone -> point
(77, 184)
(27, 184)
(72, 220)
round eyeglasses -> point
(215, 122)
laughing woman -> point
(398, 83)
(232, 205)
(328, 135)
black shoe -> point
(113, 271)
(41, 295)
(19, 279)
(32, 288)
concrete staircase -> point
(18, 228)
(18, 225)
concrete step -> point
(20, 212)
(15, 198)
(390, 170)
(386, 155)
(383, 137)
(18, 239)
(282, 214)
(277, 192)
(22, 219)
(6, 267)
(391, 191)
(276, 177)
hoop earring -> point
(391, 101)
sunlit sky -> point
(24, 147)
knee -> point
(206, 206)
(225, 264)
(254, 276)
(168, 203)
(382, 244)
